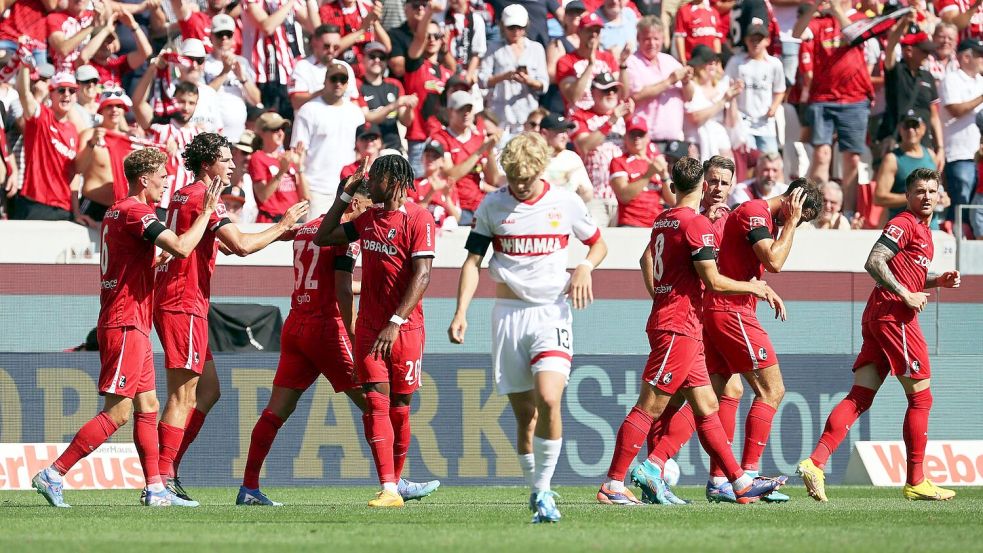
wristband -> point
(587, 263)
(345, 197)
(397, 320)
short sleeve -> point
(755, 220)
(565, 69)
(219, 217)
(619, 167)
(422, 239)
(681, 21)
(700, 239)
(142, 221)
(346, 261)
(584, 227)
(260, 170)
(896, 234)
(482, 233)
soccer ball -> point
(670, 472)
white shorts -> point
(528, 338)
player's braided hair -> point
(813, 204)
(203, 150)
(142, 162)
(687, 174)
(397, 173)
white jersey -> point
(530, 238)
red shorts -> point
(897, 349)
(312, 347)
(736, 343)
(127, 362)
(185, 340)
(676, 361)
(401, 370)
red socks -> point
(674, 435)
(92, 435)
(715, 443)
(728, 421)
(169, 438)
(840, 419)
(916, 433)
(400, 418)
(631, 437)
(380, 435)
(660, 427)
(196, 419)
(259, 447)
(145, 440)
(757, 428)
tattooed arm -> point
(876, 267)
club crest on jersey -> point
(667, 378)
(554, 215)
(894, 232)
(391, 234)
(757, 222)
(762, 354)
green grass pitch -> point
(477, 519)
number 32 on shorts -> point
(413, 371)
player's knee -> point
(921, 399)
(148, 404)
(206, 399)
(120, 414)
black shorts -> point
(93, 209)
(27, 209)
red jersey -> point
(911, 241)
(126, 265)
(697, 24)
(197, 25)
(840, 74)
(573, 65)
(113, 70)
(746, 225)
(427, 81)
(50, 167)
(62, 22)
(975, 27)
(185, 285)
(348, 20)
(642, 210)
(262, 168)
(314, 268)
(25, 18)
(121, 145)
(440, 201)
(680, 236)
(468, 187)
(391, 240)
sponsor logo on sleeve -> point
(148, 220)
(708, 240)
(757, 222)
(894, 232)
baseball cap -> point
(702, 55)
(192, 48)
(63, 79)
(46, 70)
(271, 121)
(757, 29)
(433, 146)
(974, 44)
(459, 99)
(368, 129)
(456, 80)
(912, 115)
(919, 40)
(590, 20)
(604, 81)
(223, 22)
(676, 149)
(245, 143)
(86, 73)
(335, 68)
(233, 193)
(637, 123)
(556, 122)
(515, 15)
(374, 46)
(114, 97)
(574, 5)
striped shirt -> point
(177, 176)
(273, 56)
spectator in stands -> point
(566, 168)
(25, 20)
(514, 73)
(468, 163)
(639, 178)
(538, 11)
(840, 94)
(415, 11)
(50, 190)
(87, 106)
(277, 174)
(559, 47)
(234, 199)
(766, 183)
(966, 15)
(434, 191)
(696, 24)
(359, 23)
(231, 76)
(101, 152)
(8, 174)
(377, 90)
(831, 217)
(576, 70)
(712, 110)
(425, 76)
(368, 144)
(910, 154)
(241, 153)
(100, 52)
(70, 28)
(620, 21)
(976, 215)
(660, 86)
(764, 88)
(534, 120)
(598, 140)
(467, 39)
(307, 78)
(193, 22)
(943, 59)
(962, 100)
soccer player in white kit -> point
(528, 224)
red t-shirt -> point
(113, 70)
(185, 285)
(62, 22)
(642, 210)
(197, 25)
(50, 147)
(749, 221)
(911, 240)
(439, 201)
(680, 236)
(126, 265)
(121, 145)
(468, 187)
(975, 27)
(314, 267)
(697, 24)
(25, 18)
(262, 168)
(391, 240)
(806, 65)
(840, 73)
(573, 65)
(427, 81)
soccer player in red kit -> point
(893, 343)
(130, 230)
(316, 340)
(683, 251)
(181, 299)
(397, 252)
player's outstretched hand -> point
(383, 345)
(457, 329)
(949, 279)
(581, 290)
(916, 300)
(294, 214)
(213, 193)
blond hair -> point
(526, 157)
(143, 162)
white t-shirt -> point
(231, 98)
(308, 76)
(762, 79)
(566, 170)
(962, 136)
(529, 240)
(743, 192)
(329, 134)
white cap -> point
(515, 14)
(392, 152)
(460, 99)
(223, 22)
(86, 73)
(192, 48)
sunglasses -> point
(223, 34)
(338, 79)
(515, 28)
(435, 36)
(532, 124)
(417, 5)
(197, 61)
(66, 90)
(911, 125)
(89, 82)
(111, 93)
(377, 57)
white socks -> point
(616, 486)
(742, 482)
(547, 454)
(53, 474)
(527, 462)
(390, 487)
(156, 487)
(718, 480)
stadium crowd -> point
(621, 89)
